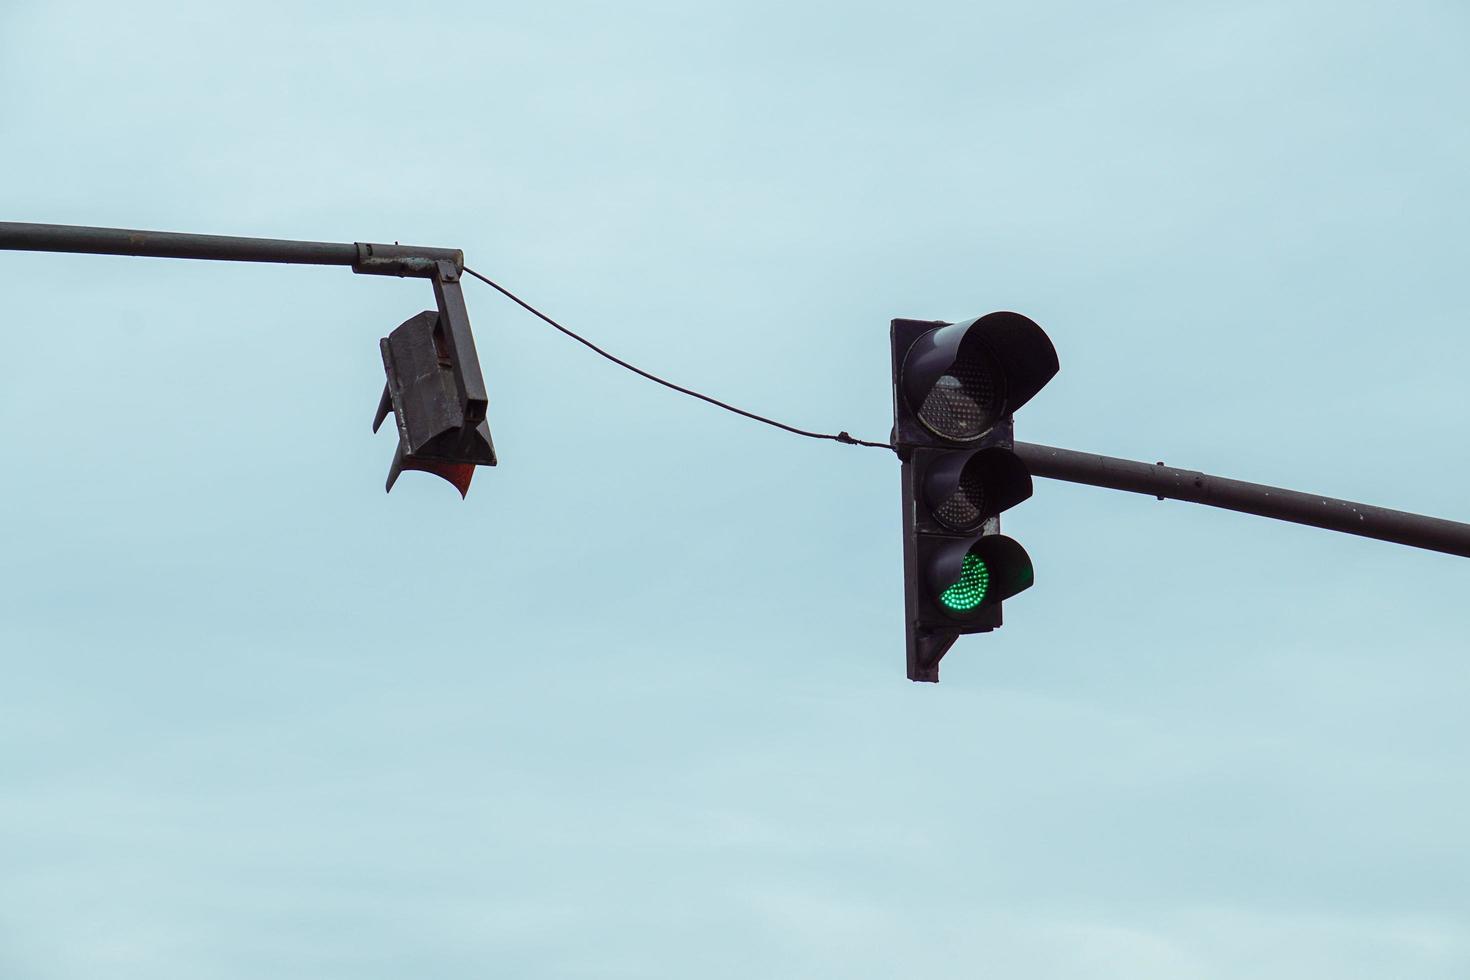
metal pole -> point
(392, 260)
(1414, 530)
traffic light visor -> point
(967, 576)
(962, 489)
(960, 379)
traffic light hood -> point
(1006, 353)
(1003, 570)
(962, 489)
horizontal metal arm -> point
(1414, 530)
(390, 260)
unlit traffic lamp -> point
(955, 386)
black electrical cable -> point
(841, 437)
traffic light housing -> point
(436, 392)
(955, 387)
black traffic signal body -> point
(955, 387)
(436, 392)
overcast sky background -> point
(637, 707)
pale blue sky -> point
(636, 708)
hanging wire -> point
(841, 437)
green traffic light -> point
(970, 590)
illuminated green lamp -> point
(970, 590)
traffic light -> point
(955, 386)
(436, 392)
